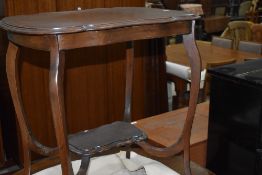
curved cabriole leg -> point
(195, 66)
(183, 143)
(84, 165)
(14, 85)
(56, 75)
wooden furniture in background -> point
(176, 53)
(253, 14)
(174, 4)
(89, 28)
(209, 23)
(238, 31)
(209, 54)
(215, 24)
(257, 33)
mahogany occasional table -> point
(56, 32)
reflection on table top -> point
(209, 54)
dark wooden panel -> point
(63, 5)
(127, 3)
(84, 4)
(171, 4)
(155, 76)
(206, 6)
(115, 80)
(35, 84)
(133, 3)
(113, 3)
(19, 7)
(94, 87)
(86, 88)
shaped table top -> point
(91, 19)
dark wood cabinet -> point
(235, 119)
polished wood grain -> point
(28, 7)
(165, 129)
(116, 35)
(91, 20)
(115, 3)
(22, 29)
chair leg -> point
(84, 165)
(187, 167)
(27, 161)
(128, 152)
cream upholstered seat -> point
(182, 71)
(179, 74)
(117, 164)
